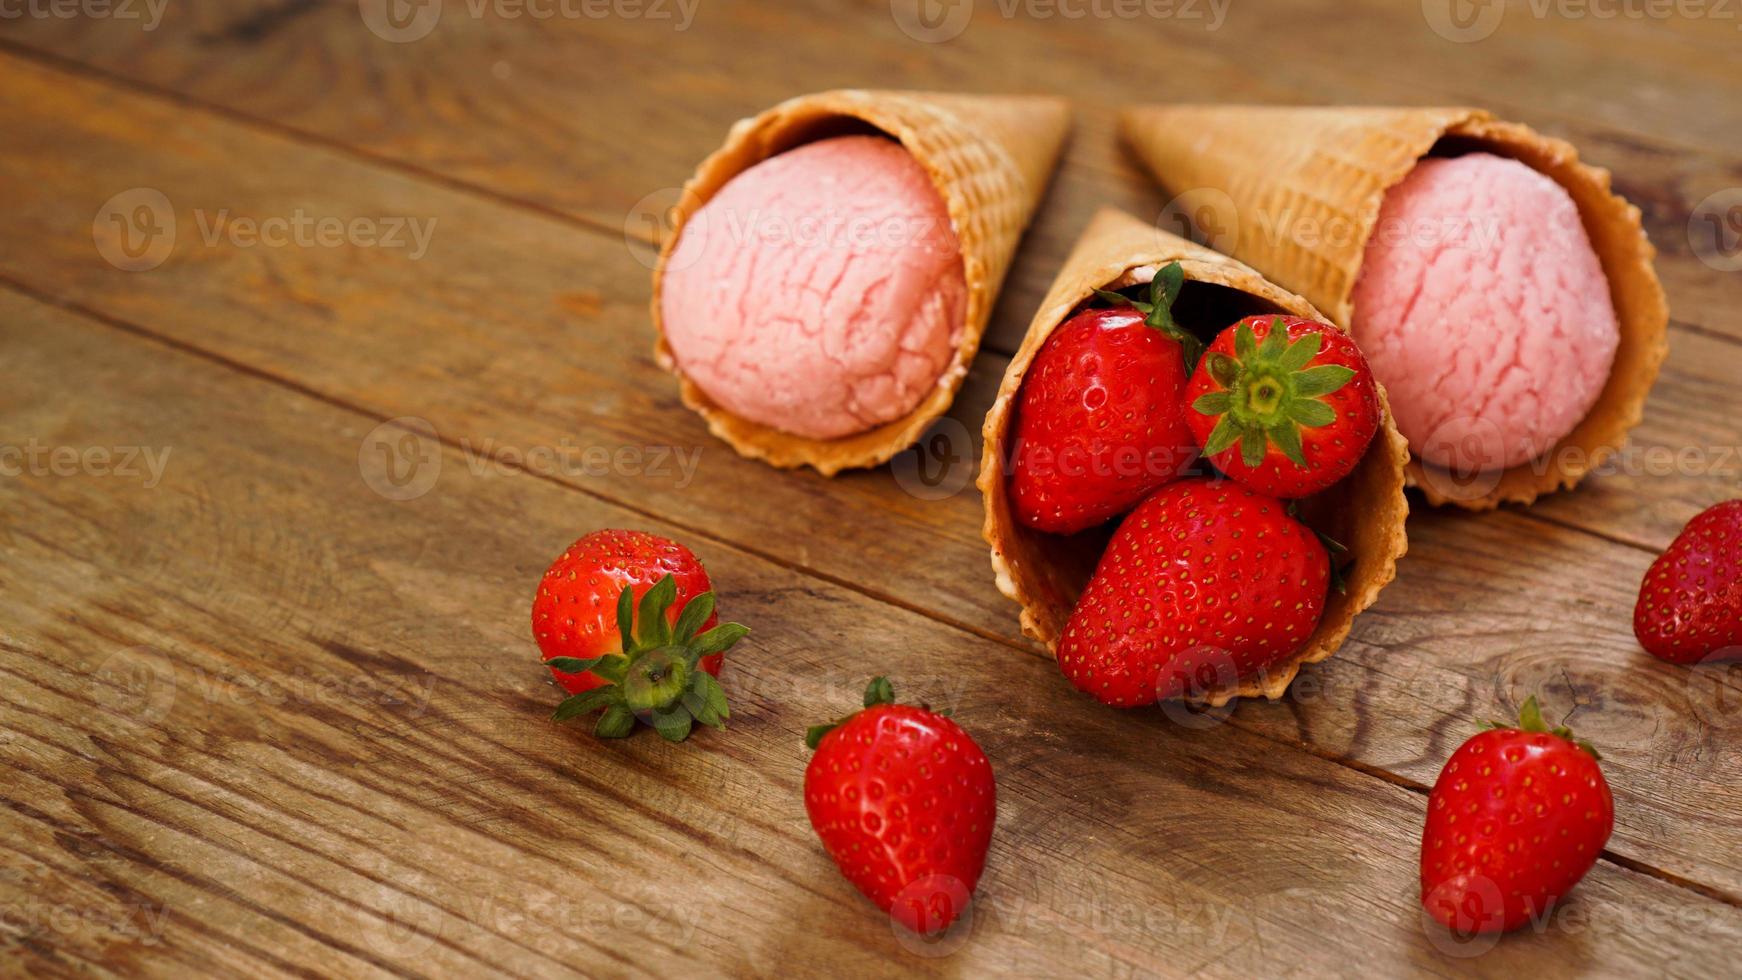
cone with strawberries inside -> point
(988, 156)
(1297, 192)
(1046, 568)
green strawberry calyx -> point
(657, 678)
(1268, 394)
(1530, 720)
(1158, 312)
(879, 691)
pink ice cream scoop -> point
(821, 291)
(1484, 311)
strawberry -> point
(904, 801)
(1690, 604)
(1205, 582)
(1101, 419)
(656, 662)
(1516, 818)
(1284, 405)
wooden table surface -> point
(323, 333)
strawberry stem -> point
(1158, 311)
(879, 691)
(1530, 720)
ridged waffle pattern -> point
(1303, 191)
(1045, 573)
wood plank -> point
(462, 337)
(1684, 457)
(1496, 609)
(473, 101)
(601, 304)
(346, 740)
(536, 334)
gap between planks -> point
(224, 893)
(307, 138)
(586, 225)
(417, 172)
(112, 322)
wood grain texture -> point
(353, 774)
(337, 760)
(451, 105)
(531, 109)
(438, 339)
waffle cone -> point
(989, 156)
(1046, 573)
(1264, 175)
